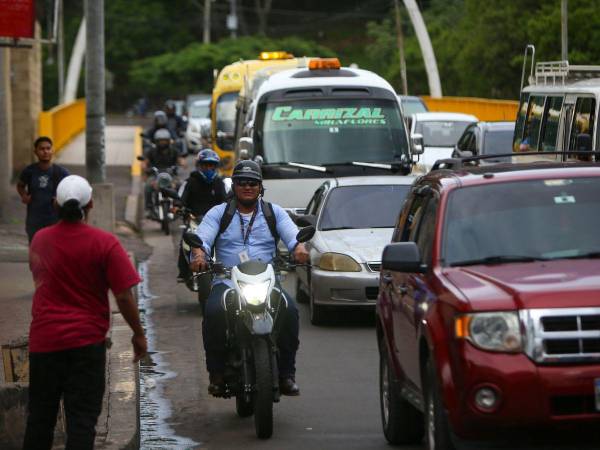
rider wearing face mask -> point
(248, 236)
(203, 190)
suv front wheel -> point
(437, 427)
(402, 422)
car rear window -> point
(371, 206)
(545, 219)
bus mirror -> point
(246, 147)
(417, 144)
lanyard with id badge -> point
(244, 253)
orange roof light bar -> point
(264, 56)
(324, 63)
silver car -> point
(354, 218)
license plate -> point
(597, 392)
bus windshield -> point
(331, 131)
(225, 114)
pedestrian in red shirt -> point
(74, 265)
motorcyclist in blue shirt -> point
(231, 247)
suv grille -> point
(562, 335)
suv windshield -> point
(371, 206)
(200, 110)
(520, 221)
(441, 133)
(331, 131)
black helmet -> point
(247, 169)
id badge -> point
(244, 256)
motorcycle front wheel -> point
(263, 389)
(164, 225)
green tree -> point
(191, 68)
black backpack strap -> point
(55, 178)
(227, 216)
(269, 213)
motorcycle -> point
(199, 283)
(252, 309)
(164, 195)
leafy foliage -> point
(479, 45)
(191, 69)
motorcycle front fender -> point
(259, 324)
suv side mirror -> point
(306, 220)
(402, 257)
(417, 144)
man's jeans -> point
(78, 376)
(213, 332)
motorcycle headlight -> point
(494, 331)
(338, 262)
(164, 180)
(255, 294)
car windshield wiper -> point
(308, 166)
(337, 228)
(498, 259)
(590, 255)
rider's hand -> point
(301, 255)
(198, 262)
(26, 198)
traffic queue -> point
(475, 242)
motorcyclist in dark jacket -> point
(162, 156)
(203, 190)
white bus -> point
(558, 111)
(324, 121)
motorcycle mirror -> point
(192, 240)
(306, 234)
(140, 158)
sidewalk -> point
(118, 426)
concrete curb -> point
(122, 413)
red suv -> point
(489, 304)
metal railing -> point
(482, 108)
(62, 123)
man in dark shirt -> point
(37, 187)
(162, 156)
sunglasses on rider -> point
(246, 183)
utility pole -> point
(206, 31)
(232, 19)
(400, 38)
(564, 34)
(60, 58)
(94, 91)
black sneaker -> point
(217, 384)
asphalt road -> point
(337, 373)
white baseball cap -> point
(74, 187)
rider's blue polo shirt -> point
(260, 244)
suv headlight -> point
(494, 331)
(255, 294)
(338, 262)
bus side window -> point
(531, 133)
(551, 121)
(583, 126)
(520, 124)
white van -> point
(323, 121)
(559, 111)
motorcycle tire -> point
(242, 407)
(164, 225)
(263, 389)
